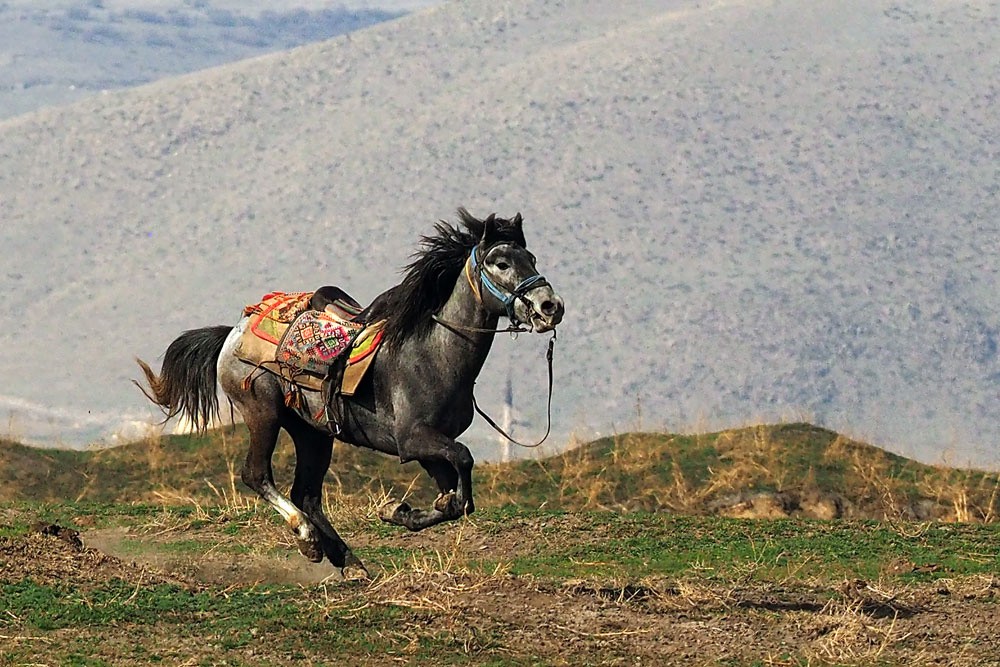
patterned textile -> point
(344, 310)
(270, 318)
(314, 340)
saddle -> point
(310, 339)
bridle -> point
(508, 299)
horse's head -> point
(510, 283)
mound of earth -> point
(51, 554)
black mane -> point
(430, 277)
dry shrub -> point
(859, 627)
(495, 481)
(969, 496)
(590, 480)
(869, 480)
(432, 585)
(441, 581)
(754, 458)
(639, 458)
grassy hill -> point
(761, 471)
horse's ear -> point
(518, 231)
(490, 230)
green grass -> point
(657, 535)
(51, 608)
(638, 545)
(282, 620)
(543, 550)
(578, 544)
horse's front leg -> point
(446, 478)
(447, 461)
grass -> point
(577, 544)
(637, 545)
(546, 569)
(809, 469)
(606, 549)
(767, 470)
(46, 607)
(230, 620)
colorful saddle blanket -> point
(314, 340)
(285, 336)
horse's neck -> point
(461, 353)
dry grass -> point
(851, 635)
(756, 472)
(971, 497)
(441, 581)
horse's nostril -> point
(549, 308)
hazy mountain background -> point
(58, 51)
(754, 210)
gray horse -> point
(414, 401)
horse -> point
(414, 401)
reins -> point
(515, 328)
(549, 354)
(548, 407)
(456, 328)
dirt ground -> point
(477, 615)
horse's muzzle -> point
(547, 309)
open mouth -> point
(540, 323)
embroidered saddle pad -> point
(314, 340)
(285, 336)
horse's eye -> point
(503, 266)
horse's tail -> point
(186, 383)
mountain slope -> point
(753, 210)
(64, 50)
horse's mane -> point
(430, 278)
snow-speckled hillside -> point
(754, 210)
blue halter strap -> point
(507, 299)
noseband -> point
(508, 299)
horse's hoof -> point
(443, 500)
(355, 573)
(311, 550)
(393, 512)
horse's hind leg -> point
(257, 474)
(313, 451)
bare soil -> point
(490, 616)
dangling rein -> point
(548, 408)
(514, 329)
(458, 328)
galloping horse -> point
(416, 398)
